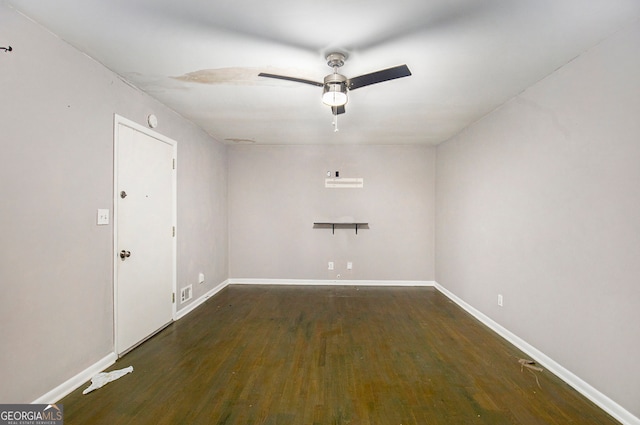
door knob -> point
(124, 254)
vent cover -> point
(186, 293)
(346, 183)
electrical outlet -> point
(200, 277)
(349, 265)
(500, 300)
(331, 265)
(103, 217)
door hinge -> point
(173, 298)
(174, 163)
(174, 231)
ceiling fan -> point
(336, 86)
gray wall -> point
(540, 202)
(56, 133)
(276, 193)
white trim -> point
(117, 121)
(604, 402)
(198, 302)
(75, 382)
(318, 282)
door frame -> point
(117, 121)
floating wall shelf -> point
(341, 224)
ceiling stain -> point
(221, 76)
(240, 76)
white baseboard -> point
(604, 402)
(75, 382)
(198, 302)
(318, 282)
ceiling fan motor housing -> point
(335, 79)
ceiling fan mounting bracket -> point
(336, 59)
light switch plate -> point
(103, 217)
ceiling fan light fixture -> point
(335, 90)
(335, 94)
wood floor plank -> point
(329, 355)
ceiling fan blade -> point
(337, 110)
(378, 77)
(294, 79)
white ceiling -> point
(467, 58)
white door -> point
(144, 229)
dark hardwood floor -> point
(329, 355)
